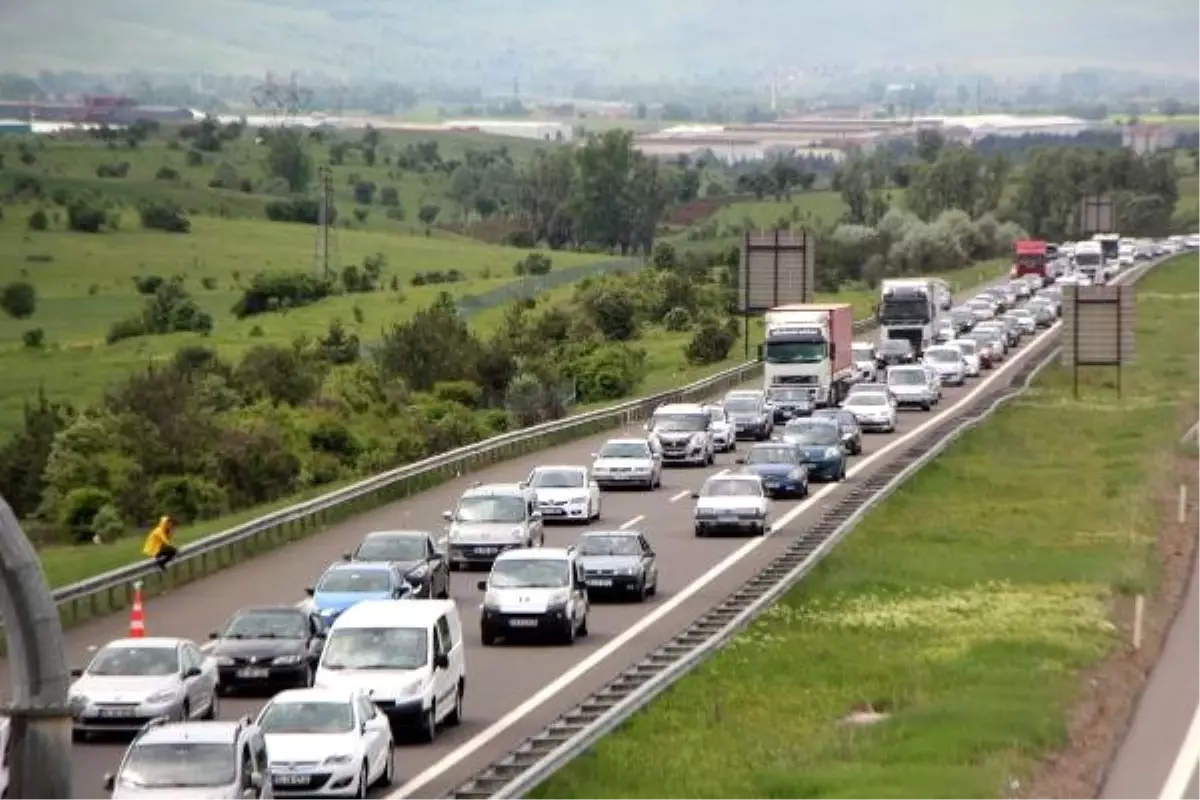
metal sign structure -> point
(1095, 215)
(1098, 328)
(778, 268)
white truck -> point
(808, 346)
(909, 309)
(1090, 261)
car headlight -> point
(832, 452)
(283, 661)
(490, 601)
(796, 474)
(328, 612)
(165, 696)
(577, 500)
(78, 702)
(697, 440)
(517, 534)
(557, 601)
(419, 573)
(341, 758)
(224, 661)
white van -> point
(407, 654)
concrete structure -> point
(974, 128)
(99, 110)
(1143, 139)
(732, 143)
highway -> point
(512, 691)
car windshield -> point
(772, 455)
(868, 399)
(499, 508)
(179, 765)
(718, 487)
(981, 337)
(605, 545)
(267, 625)
(135, 661)
(679, 423)
(376, 648)
(836, 416)
(966, 348)
(943, 356)
(862, 352)
(558, 479)
(355, 580)
(795, 352)
(821, 433)
(716, 414)
(625, 450)
(321, 716)
(741, 405)
(788, 396)
(530, 573)
(392, 548)
(906, 377)
(895, 346)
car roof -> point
(393, 613)
(361, 566)
(316, 695)
(869, 387)
(563, 467)
(628, 440)
(616, 532)
(934, 347)
(203, 732)
(409, 534)
(496, 489)
(537, 554)
(148, 642)
(270, 610)
(906, 368)
(679, 408)
(734, 476)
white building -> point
(984, 125)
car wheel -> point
(569, 632)
(428, 730)
(699, 533)
(733, 445)
(456, 716)
(583, 626)
(487, 637)
(445, 593)
(389, 769)
(926, 406)
(643, 591)
(653, 588)
(308, 678)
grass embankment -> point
(968, 605)
(85, 283)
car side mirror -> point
(481, 586)
(76, 673)
(739, 461)
(441, 661)
(594, 455)
(695, 495)
(536, 515)
(448, 516)
(192, 672)
(650, 553)
(347, 556)
(214, 635)
(646, 427)
(310, 590)
(362, 728)
(110, 781)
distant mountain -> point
(606, 41)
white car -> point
(132, 681)
(970, 354)
(565, 494)
(628, 462)
(1026, 320)
(866, 361)
(982, 309)
(542, 592)
(945, 331)
(873, 410)
(948, 362)
(732, 504)
(336, 734)
(912, 386)
(724, 436)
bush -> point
(299, 209)
(465, 393)
(166, 173)
(164, 216)
(194, 158)
(38, 220)
(108, 524)
(364, 193)
(533, 264)
(148, 284)
(677, 319)
(79, 509)
(169, 309)
(34, 339)
(274, 291)
(113, 170)
(429, 213)
(128, 328)
(709, 345)
(19, 299)
(389, 196)
(188, 498)
(84, 217)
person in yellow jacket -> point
(160, 544)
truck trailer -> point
(808, 346)
(908, 309)
(1032, 258)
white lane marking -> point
(464, 750)
(1187, 762)
(630, 523)
(680, 496)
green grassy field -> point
(1189, 198)
(967, 606)
(86, 282)
(70, 165)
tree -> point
(19, 299)
(288, 160)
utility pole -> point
(322, 253)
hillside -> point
(486, 41)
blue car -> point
(343, 585)
(819, 441)
(781, 468)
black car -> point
(267, 647)
(848, 425)
(891, 352)
(425, 567)
(790, 403)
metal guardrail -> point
(564, 739)
(110, 591)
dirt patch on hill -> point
(1111, 691)
(689, 214)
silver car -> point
(724, 440)
(633, 463)
(912, 386)
(1026, 320)
(620, 562)
(130, 682)
(948, 362)
(732, 504)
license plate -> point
(522, 623)
(727, 520)
(118, 712)
(550, 512)
(291, 780)
(770, 484)
(599, 582)
(486, 551)
(253, 672)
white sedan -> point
(873, 410)
(326, 743)
(565, 494)
(628, 463)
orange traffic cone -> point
(137, 614)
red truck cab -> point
(1031, 258)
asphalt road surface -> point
(512, 691)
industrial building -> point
(99, 110)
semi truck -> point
(908, 309)
(1110, 244)
(808, 346)
(1090, 261)
(1032, 258)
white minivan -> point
(408, 655)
